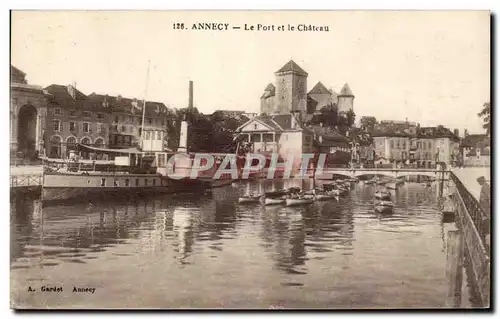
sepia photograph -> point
(250, 160)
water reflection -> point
(300, 246)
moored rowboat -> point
(384, 206)
(382, 195)
(273, 201)
(298, 201)
(248, 199)
(326, 196)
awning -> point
(112, 150)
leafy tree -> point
(368, 123)
(486, 115)
(351, 118)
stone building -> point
(289, 94)
(282, 134)
(74, 119)
(406, 142)
(27, 116)
(126, 122)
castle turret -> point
(345, 99)
(291, 89)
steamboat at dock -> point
(129, 172)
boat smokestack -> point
(190, 105)
(183, 138)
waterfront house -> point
(283, 134)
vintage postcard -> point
(250, 159)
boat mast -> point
(144, 107)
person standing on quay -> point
(484, 202)
(484, 198)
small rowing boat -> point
(382, 195)
(274, 201)
(384, 207)
(326, 196)
(298, 201)
(249, 199)
(391, 185)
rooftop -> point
(291, 66)
(319, 88)
(346, 91)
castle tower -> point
(345, 99)
(267, 100)
(291, 89)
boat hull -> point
(325, 197)
(246, 200)
(58, 188)
(273, 201)
(298, 202)
(383, 209)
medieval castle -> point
(289, 95)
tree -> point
(351, 118)
(368, 123)
(486, 115)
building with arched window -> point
(27, 116)
(75, 118)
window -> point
(137, 182)
(116, 119)
(392, 143)
(158, 135)
(85, 141)
(86, 114)
(86, 127)
(404, 145)
(103, 182)
(99, 127)
(115, 182)
(123, 128)
(127, 182)
(56, 125)
(154, 182)
(72, 112)
(101, 116)
(430, 145)
(71, 141)
(162, 121)
(99, 142)
(150, 121)
(397, 144)
(161, 160)
(57, 111)
(148, 135)
(72, 126)
(145, 182)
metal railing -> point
(479, 217)
(25, 180)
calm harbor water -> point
(186, 251)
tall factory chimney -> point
(190, 105)
(183, 138)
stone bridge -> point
(328, 173)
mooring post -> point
(455, 258)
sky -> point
(427, 67)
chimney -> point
(465, 133)
(456, 132)
(71, 91)
(190, 103)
